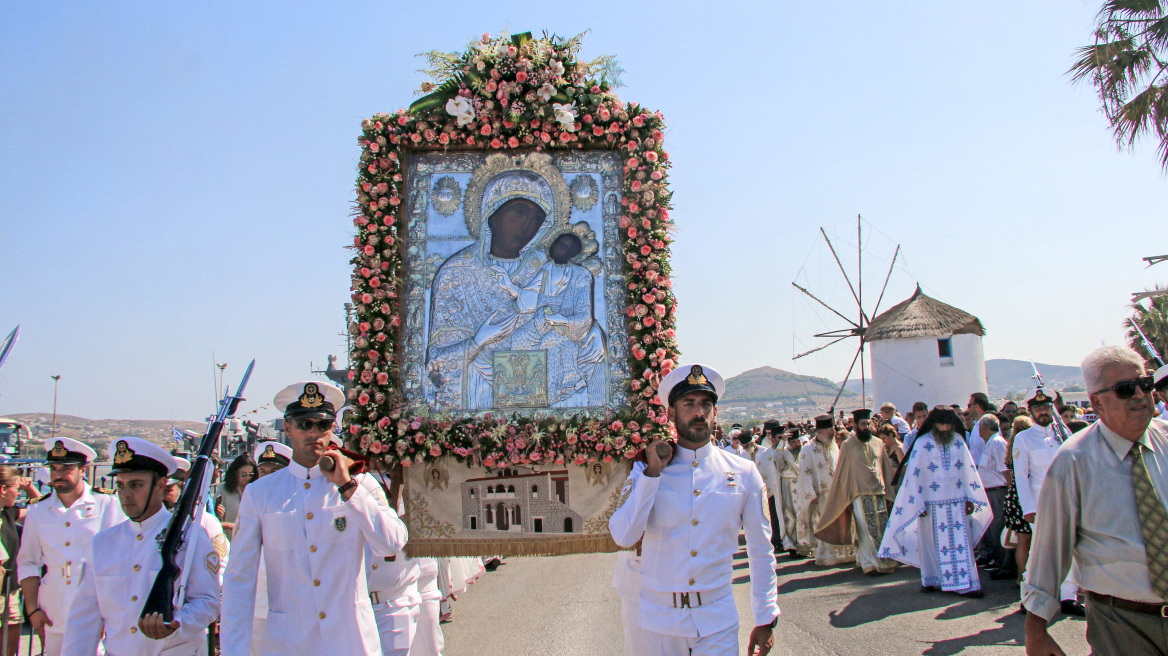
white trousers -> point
(630, 616)
(53, 642)
(722, 643)
(258, 627)
(428, 640)
(396, 625)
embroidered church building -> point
(518, 502)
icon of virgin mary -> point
(485, 295)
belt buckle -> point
(374, 597)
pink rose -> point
(435, 450)
(363, 399)
(521, 76)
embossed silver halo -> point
(542, 182)
(585, 192)
(446, 196)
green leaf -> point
(518, 40)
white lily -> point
(546, 92)
(461, 108)
(556, 67)
(565, 115)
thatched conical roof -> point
(922, 316)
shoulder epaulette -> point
(104, 490)
(42, 497)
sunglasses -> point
(309, 424)
(1125, 389)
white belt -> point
(687, 599)
(387, 596)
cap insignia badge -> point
(59, 451)
(696, 376)
(269, 453)
(311, 398)
(123, 454)
(340, 522)
(730, 482)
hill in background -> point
(97, 433)
(1011, 377)
(769, 392)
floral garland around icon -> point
(524, 94)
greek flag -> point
(178, 435)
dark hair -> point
(1076, 425)
(886, 429)
(230, 478)
(920, 406)
(772, 427)
(980, 400)
(942, 415)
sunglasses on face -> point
(309, 424)
(1125, 389)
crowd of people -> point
(80, 561)
(302, 551)
(834, 480)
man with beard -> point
(858, 494)
(689, 507)
(817, 463)
(57, 533)
(1101, 516)
(941, 509)
(1034, 450)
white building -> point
(925, 350)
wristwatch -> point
(352, 484)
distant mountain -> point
(1012, 376)
(1009, 376)
(769, 392)
(97, 433)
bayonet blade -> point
(9, 342)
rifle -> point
(9, 342)
(1061, 430)
(170, 583)
(1148, 345)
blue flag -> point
(178, 435)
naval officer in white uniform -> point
(690, 508)
(58, 530)
(124, 561)
(312, 528)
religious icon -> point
(514, 312)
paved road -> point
(566, 606)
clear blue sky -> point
(176, 178)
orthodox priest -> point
(941, 509)
(858, 496)
(785, 495)
(817, 463)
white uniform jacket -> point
(690, 517)
(1034, 450)
(58, 538)
(314, 550)
(123, 564)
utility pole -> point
(56, 379)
